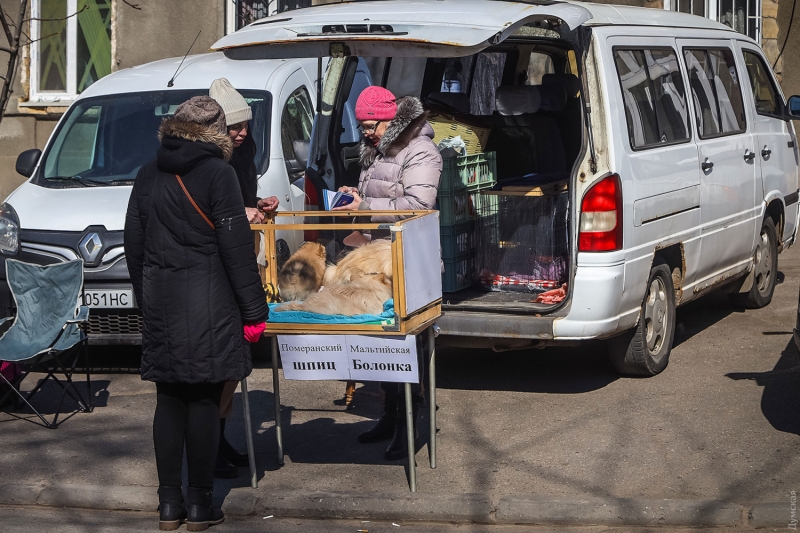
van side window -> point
(655, 98)
(296, 121)
(717, 96)
(764, 92)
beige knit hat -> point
(235, 106)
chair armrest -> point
(83, 316)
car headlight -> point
(9, 230)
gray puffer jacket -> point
(402, 172)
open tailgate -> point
(393, 28)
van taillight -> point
(311, 204)
(601, 217)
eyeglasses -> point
(371, 129)
(238, 127)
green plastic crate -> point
(471, 172)
(455, 208)
(458, 272)
(458, 239)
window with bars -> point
(71, 47)
(743, 16)
(240, 13)
(244, 12)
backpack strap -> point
(189, 196)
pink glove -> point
(252, 332)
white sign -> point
(382, 358)
(349, 357)
(314, 357)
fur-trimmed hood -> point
(402, 129)
(194, 132)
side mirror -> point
(27, 160)
(793, 106)
(301, 149)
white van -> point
(74, 204)
(680, 161)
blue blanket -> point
(304, 317)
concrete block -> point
(769, 9)
(11, 494)
(240, 502)
(417, 506)
(775, 514)
(117, 498)
(771, 50)
(769, 28)
(617, 512)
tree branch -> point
(134, 6)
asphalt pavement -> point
(551, 437)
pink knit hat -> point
(375, 103)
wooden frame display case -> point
(416, 266)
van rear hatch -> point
(427, 29)
(394, 28)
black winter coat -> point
(195, 285)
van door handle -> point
(766, 152)
(706, 165)
(749, 156)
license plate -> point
(108, 298)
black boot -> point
(384, 428)
(171, 509)
(229, 452)
(200, 512)
(398, 448)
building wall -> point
(791, 51)
(165, 29)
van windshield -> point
(104, 141)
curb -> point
(463, 508)
(770, 515)
(619, 512)
(376, 506)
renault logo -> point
(90, 247)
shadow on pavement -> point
(306, 442)
(551, 370)
(699, 315)
(780, 401)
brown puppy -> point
(303, 272)
(364, 294)
(375, 257)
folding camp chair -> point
(46, 329)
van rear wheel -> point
(765, 269)
(644, 350)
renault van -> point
(73, 204)
(667, 135)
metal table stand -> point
(412, 466)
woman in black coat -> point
(193, 269)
